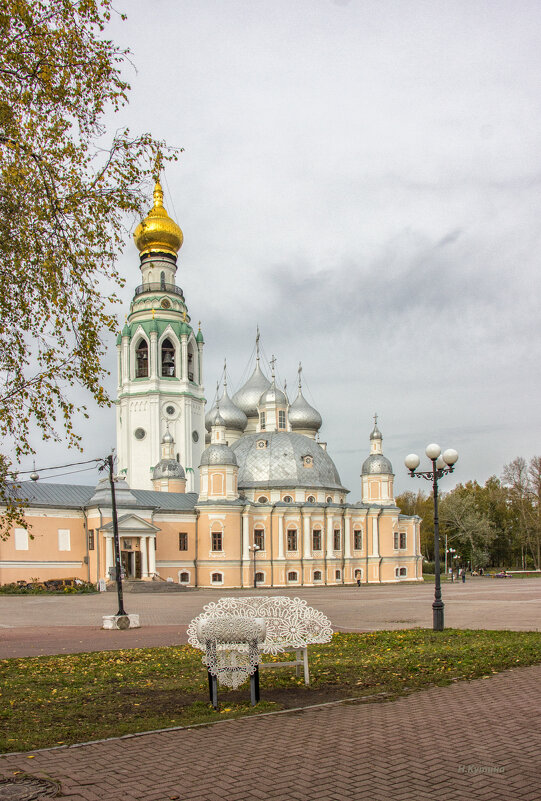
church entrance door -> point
(131, 564)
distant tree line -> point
(495, 525)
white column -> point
(347, 537)
(144, 556)
(153, 372)
(184, 356)
(330, 548)
(280, 537)
(151, 555)
(109, 558)
(245, 538)
(125, 359)
(200, 350)
(307, 532)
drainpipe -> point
(344, 544)
(379, 549)
(271, 549)
(196, 547)
(86, 538)
(98, 560)
(301, 518)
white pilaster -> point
(375, 538)
(245, 538)
(330, 544)
(280, 537)
(307, 530)
(109, 558)
(154, 354)
(151, 555)
(144, 556)
(347, 537)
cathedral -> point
(242, 495)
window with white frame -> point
(338, 575)
(21, 539)
(217, 578)
(395, 540)
(403, 541)
(292, 576)
(358, 539)
(287, 499)
(259, 577)
(401, 572)
(292, 539)
(310, 499)
(64, 539)
(184, 578)
(259, 538)
(317, 575)
(358, 573)
(316, 539)
(281, 419)
(217, 540)
(262, 421)
(337, 539)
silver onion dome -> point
(232, 416)
(376, 433)
(247, 398)
(302, 415)
(273, 395)
(376, 463)
(218, 454)
(168, 468)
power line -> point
(69, 473)
(58, 466)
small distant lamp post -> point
(451, 552)
(254, 548)
(441, 464)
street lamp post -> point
(254, 548)
(441, 464)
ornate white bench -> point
(289, 625)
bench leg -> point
(306, 669)
(254, 687)
(213, 689)
(298, 654)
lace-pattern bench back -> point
(291, 625)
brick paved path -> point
(470, 741)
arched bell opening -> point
(141, 359)
(168, 358)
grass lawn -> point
(53, 700)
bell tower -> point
(160, 362)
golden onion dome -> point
(158, 233)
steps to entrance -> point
(136, 585)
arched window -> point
(259, 538)
(317, 575)
(310, 499)
(292, 539)
(329, 499)
(292, 575)
(217, 578)
(141, 359)
(288, 499)
(162, 280)
(168, 358)
(191, 362)
(260, 578)
(184, 578)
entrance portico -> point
(137, 547)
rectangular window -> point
(262, 420)
(403, 541)
(21, 539)
(281, 419)
(358, 540)
(182, 541)
(216, 540)
(316, 540)
(64, 539)
(259, 538)
(395, 538)
(292, 540)
(337, 575)
(337, 539)
(91, 541)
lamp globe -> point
(433, 451)
(450, 456)
(412, 461)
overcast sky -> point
(361, 179)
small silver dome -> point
(376, 433)
(218, 454)
(248, 396)
(167, 439)
(302, 415)
(376, 463)
(232, 416)
(272, 395)
(168, 468)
